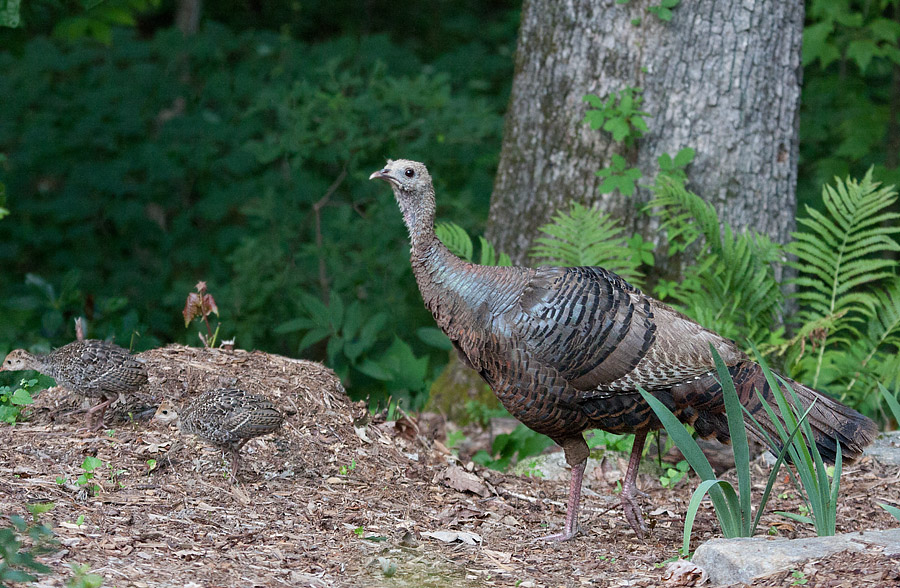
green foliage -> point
(732, 287)
(819, 494)
(895, 512)
(20, 544)
(620, 114)
(733, 508)
(848, 119)
(618, 176)
(672, 475)
(481, 413)
(611, 441)
(13, 400)
(587, 236)
(521, 443)
(82, 578)
(848, 289)
(460, 244)
(89, 467)
(99, 18)
(663, 10)
(9, 14)
(263, 148)
(674, 167)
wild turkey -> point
(97, 369)
(564, 350)
(226, 418)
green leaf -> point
(862, 51)
(456, 239)
(817, 46)
(20, 397)
(895, 512)
(694, 505)
(9, 17)
(91, 463)
(684, 157)
(434, 337)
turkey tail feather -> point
(831, 421)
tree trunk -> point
(187, 16)
(722, 77)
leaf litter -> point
(341, 498)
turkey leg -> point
(577, 453)
(629, 487)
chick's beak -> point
(382, 174)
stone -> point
(729, 561)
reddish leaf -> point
(193, 307)
(209, 304)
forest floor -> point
(338, 499)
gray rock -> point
(886, 448)
(728, 561)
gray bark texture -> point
(722, 77)
(187, 16)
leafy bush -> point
(848, 104)
(507, 447)
(239, 159)
(14, 399)
(20, 543)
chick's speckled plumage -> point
(224, 417)
(94, 368)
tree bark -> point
(187, 16)
(722, 77)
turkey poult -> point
(226, 418)
(97, 369)
(565, 348)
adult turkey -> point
(565, 348)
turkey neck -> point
(459, 294)
(41, 364)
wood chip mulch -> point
(338, 498)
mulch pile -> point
(341, 498)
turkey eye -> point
(409, 172)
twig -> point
(317, 208)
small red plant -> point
(201, 304)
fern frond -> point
(456, 239)
(586, 236)
(732, 289)
(460, 244)
(840, 255)
(489, 255)
(837, 254)
(682, 213)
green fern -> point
(460, 244)
(587, 236)
(857, 369)
(840, 257)
(732, 287)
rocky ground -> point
(338, 498)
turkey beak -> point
(382, 174)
